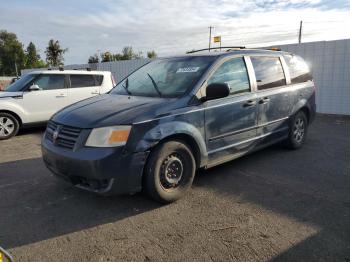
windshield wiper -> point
(155, 85)
(126, 86)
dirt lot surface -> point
(275, 204)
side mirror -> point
(34, 88)
(217, 90)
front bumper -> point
(100, 170)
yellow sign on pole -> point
(217, 39)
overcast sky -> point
(170, 27)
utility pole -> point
(210, 28)
(300, 31)
(16, 66)
(16, 69)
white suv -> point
(36, 96)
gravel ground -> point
(275, 205)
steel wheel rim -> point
(7, 126)
(171, 173)
(299, 130)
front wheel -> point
(169, 171)
(9, 126)
(297, 131)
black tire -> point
(297, 131)
(169, 171)
(9, 126)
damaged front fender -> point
(172, 129)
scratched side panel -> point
(231, 126)
(185, 121)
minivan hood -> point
(111, 109)
(5, 94)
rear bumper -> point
(312, 113)
(100, 170)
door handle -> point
(95, 93)
(264, 100)
(249, 103)
(61, 95)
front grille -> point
(67, 135)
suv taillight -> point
(113, 80)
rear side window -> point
(268, 71)
(98, 79)
(234, 73)
(299, 71)
(85, 80)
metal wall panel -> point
(330, 64)
(120, 69)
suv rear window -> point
(98, 79)
(299, 71)
(85, 80)
(268, 71)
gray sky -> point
(170, 27)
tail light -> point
(113, 80)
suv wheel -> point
(298, 130)
(9, 126)
(169, 171)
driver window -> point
(50, 82)
(234, 73)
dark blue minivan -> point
(176, 115)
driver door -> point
(231, 121)
(40, 105)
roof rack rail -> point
(228, 48)
(274, 49)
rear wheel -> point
(169, 171)
(298, 131)
(9, 126)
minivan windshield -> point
(21, 83)
(167, 77)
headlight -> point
(111, 136)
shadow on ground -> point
(38, 130)
(36, 207)
(311, 185)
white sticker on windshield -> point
(187, 70)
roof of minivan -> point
(238, 51)
(80, 72)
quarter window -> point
(269, 72)
(234, 73)
(298, 69)
(85, 80)
(98, 79)
(50, 82)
